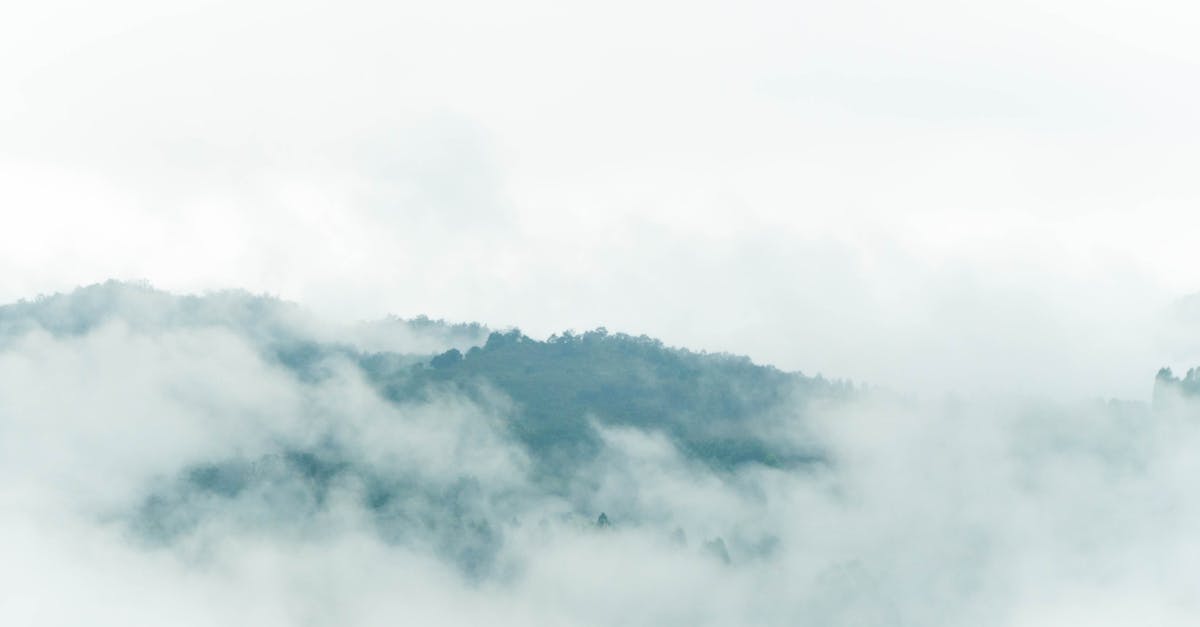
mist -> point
(929, 197)
(654, 313)
(165, 460)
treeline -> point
(718, 408)
(1170, 390)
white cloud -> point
(547, 165)
(991, 512)
(992, 200)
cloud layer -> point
(177, 472)
(960, 192)
(986, 210)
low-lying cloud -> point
(157, 470)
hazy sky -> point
(927, 195)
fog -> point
(930, 196)
(305, 313)
(924, 512)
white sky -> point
(928, 195)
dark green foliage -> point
(720, 411)
(447, 359)
(1170, 390)
(141, 307)
(290, 491)
(424, 323)
(712, 406)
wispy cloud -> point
(156, 470)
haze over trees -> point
(721, 411)
(213, 428)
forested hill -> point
(445, 435)
(718, 408)
(266, 322)
(1170, 390)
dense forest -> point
(716, 407)
(551, 398)
(525, 425)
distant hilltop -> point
(1170, 390)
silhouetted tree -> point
(446, 359)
